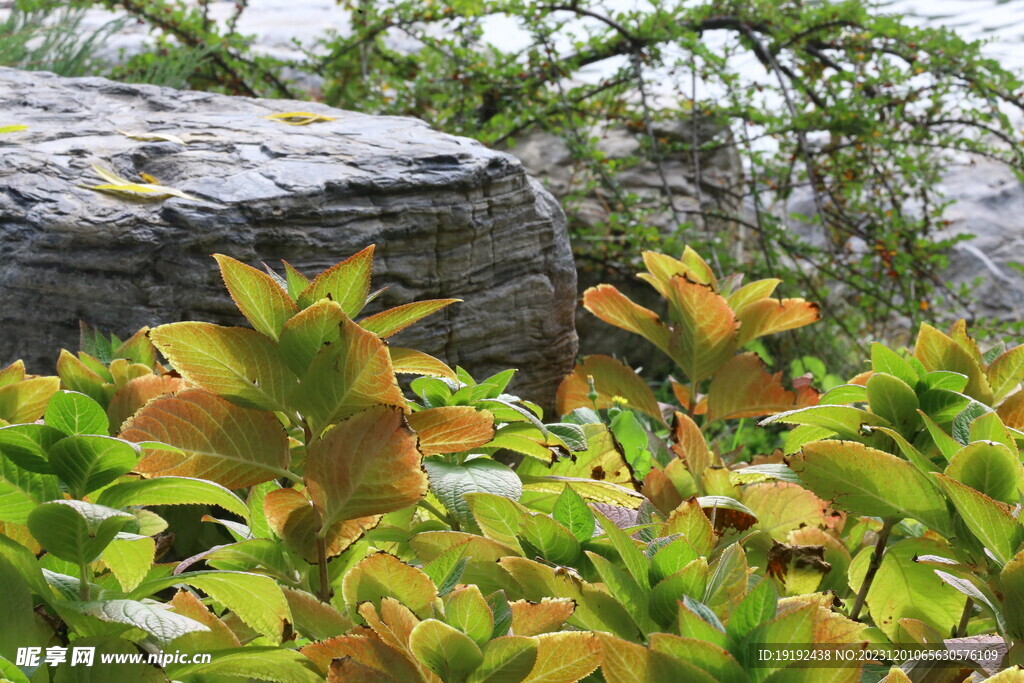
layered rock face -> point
(449, 218)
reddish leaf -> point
(346, 377)
(615, 308)
(1011, 411)
(705, 329)
(533, 618)
(367, 465)
(769, 316)
(611, 378)
(294, 520)
(137, 392)
(411, 362)
(382, 575)
(452, 429)
(235, 447)
(368, 651)
(744, 388)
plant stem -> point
(323, 591)
(961, 629)
(452, 522)
(876, 562)
(84, 587)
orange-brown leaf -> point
(233, 446)
(533, 618)
(1011, 411)
(367, 465)
(293, 519)
(452, 429)
(688, 444)
(367, 650)
(704, 331)
(412, 362)
(346, 377)
(615, 308)
(611, 378)
(219, 637)
(137, 392)
(768, 316)
(744, 388)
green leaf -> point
(235, 363)
(466, 609)
(989, 520)
(173, 491)
(633, 438)
(157, 620)
(497, 517)
(903, 588)
(884, 359)
(251, 663)
(27, 446)
(895, 400)
(257, 600)
(74, 530)
(89, 462)
(631, 555)
(867, 481)
(22, 491)
(572, 435)
(552, 540)
(626, 590)
(295, 280)
(757, 607)
(394, 320)
(75, 413)
(1011, 584)
(347, 283)
(690, 581)
(574, 514)
(259, 298)
(129, 559)
(18, 626)
(451, 482)
(448, 652)
(508, 659)
(843, 420)
(991, 468)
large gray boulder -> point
(450, 218)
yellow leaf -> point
(152, 137)
(611, 378)
(743, 388)
(299, 118)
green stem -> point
(452, 522)
(876, 562)
(84, 587)
(961, 629)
